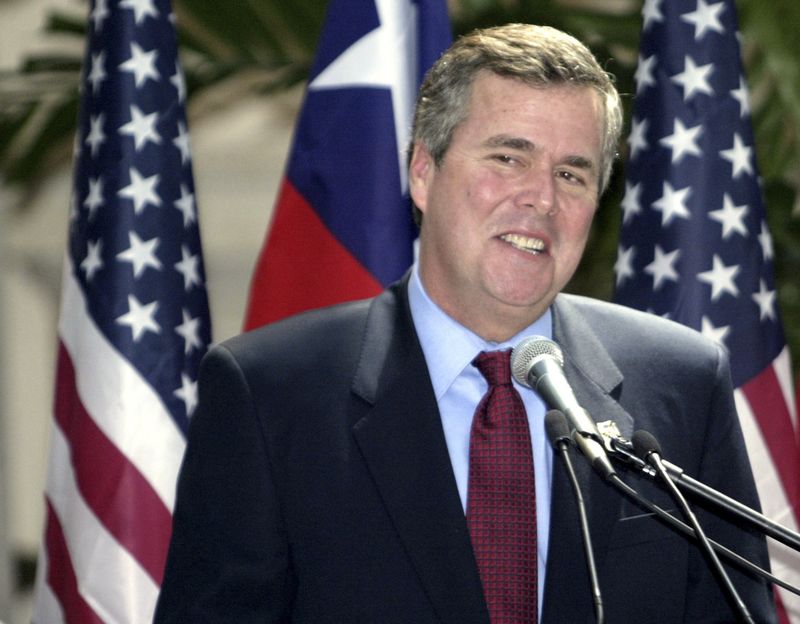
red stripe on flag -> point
(61, 574)
(302, 265)
(766, 400)
(111, 485)
(783, 617)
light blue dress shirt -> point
(449, 349)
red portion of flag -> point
(110, 484)
(61, 574)
(302, 266)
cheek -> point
(578, 219)
(482, 192)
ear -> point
(420, 171)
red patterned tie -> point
(501, 501)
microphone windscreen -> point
(555, 424)
(526, 352)
(644, 443)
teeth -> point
(533, 245)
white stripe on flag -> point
(119, 400)
(110, 580)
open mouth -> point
(524, 243)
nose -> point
(538, 191)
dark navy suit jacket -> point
(317, 486)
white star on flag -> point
(630, 203)
(740, 156)
(141, 190)
(765, 241)
(182, 142)
(96, 137)
(683, 141)
(179, 81)
(364, 64)
(141, 254)
(189, 267)
(705, 18)
(694, 79)
(141, 64)
(141, 9)
(141, 127)
(97, 74)
(742, 95)
(717, 334)
(187, 393)
(189, 330)
(651, 12)
(662, 267)
(140, 318)
(766, 301)
(185, 203)
(99, 14)
(644, 73)
(94, 199)
(671, 204)
(721, 278)
(637, 140)
(623, 267)
(92, 263)
(731, 217)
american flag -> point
(342, 226)
(695, 245)
(134, 324)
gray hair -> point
(539, 56)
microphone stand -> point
(621, 449)
(689, 531)
(558, 432)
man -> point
(330, 474)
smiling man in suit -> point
(371, 462)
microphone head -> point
(528, 352)
(645, 444)
(555, 424)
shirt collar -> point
(448, 346)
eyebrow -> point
(524, 145)
(504, 140)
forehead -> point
(499, 104)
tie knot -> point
(495, 366)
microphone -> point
(648, 449)
(555, 424)
(537, 363)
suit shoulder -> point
(324, 330)
(630, 326)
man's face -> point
(507, 213)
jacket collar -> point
(400, 436)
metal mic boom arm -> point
(621, 449)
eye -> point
(504, 159)
(570, 177)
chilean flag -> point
(342, 227)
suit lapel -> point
(595, 379)
(401, 438)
